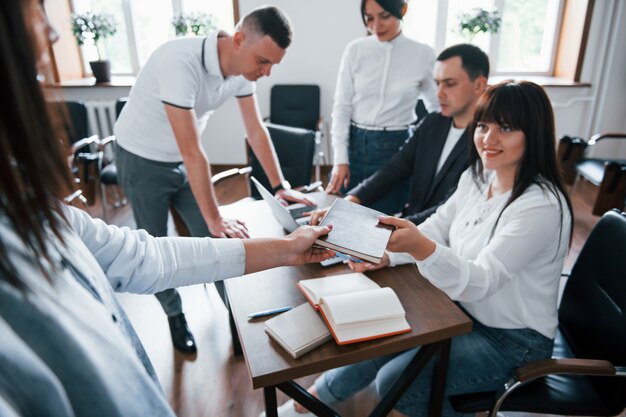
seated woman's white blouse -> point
(507, 277)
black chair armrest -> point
(106, 141)
(77, 195)
(79, 144)
(568, 366)
(610, 135)
(229, 173)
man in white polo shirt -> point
(160, 158)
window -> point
(143, 25)
(525, 44)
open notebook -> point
(355, 308)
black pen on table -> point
(269, 312)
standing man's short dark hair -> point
(268, 21)
(474, 61)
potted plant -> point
(197, 23)
(477, 21)
(95, 27)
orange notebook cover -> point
(355, 308)
(347, 342)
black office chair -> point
(587, 373)
(298, 105)
(608, 175)
(294, 148)
(77, 197)
(84, 157)
(420, 111)
(108, 169)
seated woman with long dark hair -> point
(497, 246)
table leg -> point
(269, 394)
(223, 293)
(440, 374)
(309, 402)
(404, 381)
(233, 334)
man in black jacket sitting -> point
(437, 153)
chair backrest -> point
(119, 105)
(420, 110)
(294, 148)
(77, 127)
(296, 105)
(592, 314)
(569, 151)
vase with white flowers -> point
(94, 28)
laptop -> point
(290, 220)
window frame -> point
(441, 30)
(131, 39)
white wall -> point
(322, 28)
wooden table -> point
(433, 318)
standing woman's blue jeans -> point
(370, 150)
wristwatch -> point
(284, 185)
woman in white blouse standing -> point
(497, 246)
(380, 80)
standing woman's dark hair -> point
(523, 106)
(33, 172)
(396, 8)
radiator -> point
(100, 117)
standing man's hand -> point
(340, 177)
(293, 196)
(221, 228)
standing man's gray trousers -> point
(151, 187)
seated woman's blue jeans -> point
(482, 360)
(370, 150)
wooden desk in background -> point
(433, 318)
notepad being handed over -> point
(355, 308)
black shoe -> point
(181, 335)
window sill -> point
(129, 81)
(116, 81)
(543, 81)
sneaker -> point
(289, 410)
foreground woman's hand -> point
(301, 243)
(294, 249)
(368, 266)
(407, 238)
